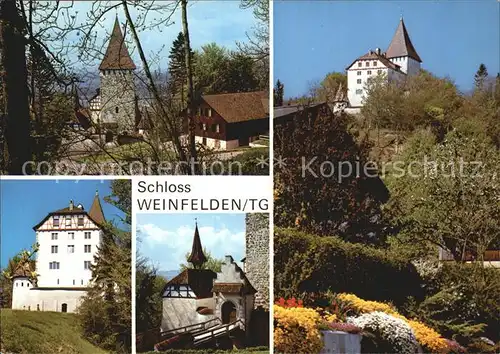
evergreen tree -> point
(480, 77)
(105, 312)
(240, 75)
(177, 67)
(279, 92)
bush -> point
(393, 332)
(296, 330)
(306, 263)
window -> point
(209, 112)
(80, 220)
(359, 73)
(86, 265)
(54, 265)
(367, 63)
(359, 81)
(58, 281)
(68, 220)
(116, 109)
(53, 236)
(198, 112)
(374, 63)
(22, 283)
(359, 64)
(28, 285)
(369, 72)
(86, 248)
(359, 92)
(71, 235)
(86, 235)
(53, 249)
(217, 128)
(379, 71)
(204, 126)
(56, 220)
(71, 248)
(73, 281)
(82, 282)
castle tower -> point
(117, 101)
(21, 285)
(197, 257)
(402, 52)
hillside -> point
(42, 332)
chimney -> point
(370, 52)
(377, 50)
(70, 205)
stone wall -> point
(118, 99)
(258, 256)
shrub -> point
(390, 329)
(307, 263)
(296, 330)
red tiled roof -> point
(117, 56)
(241, 106)
(227, 287)
(371, 55)
(96, 213)
(199, 280)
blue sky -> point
(222, 22)
(25, 203)
(313, 38)
(166, 238)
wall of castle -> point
(118, 99)
(47, 299)
(258, 256)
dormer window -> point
(68, 220)
(360, 64)
(374, 63)
(367, 63)
(80, 220)
(55, 218)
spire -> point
(117, 56)
(401, 45)
(197, 257)
(96, 212)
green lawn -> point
(42, 333)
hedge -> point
(305, 263)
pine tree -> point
(177, 67)
(480, 77)
(279, 92)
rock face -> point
(258, 256)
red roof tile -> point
(117, 56)
(241, 106)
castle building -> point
(68, 240)
(210, 306)
(115, 105)
(399, 61)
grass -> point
(42, 333)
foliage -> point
(177, 67)
(344, 327)
(455, 204)
(296, 330)
(393, 330)
(105, 312)
(43, 332)
(253, 161)
(363, 306)
(292, 302)
(325, 184)
(329, 86)
(480, 76)
(279, 93)
(312, 264)
(212, 263)
(148, 296)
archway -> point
(228, 312)
(64, 308)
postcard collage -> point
(249, 176)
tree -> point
(480, 77)
(454, 205)
(212, 263)
(279, 93)
(321, 186)
(105, 312)
(177, 67)
(240, 74)
(329, 86)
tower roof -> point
(197, 257)
(96, 213)
(117, 56)
(401, 45)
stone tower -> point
(258, 256)
(118, 100)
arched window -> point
(64, 308)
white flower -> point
(392, 329)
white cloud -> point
(167, 248)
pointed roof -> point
(117, 56)
(401, 45)
(96, 213)
(197, 257)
